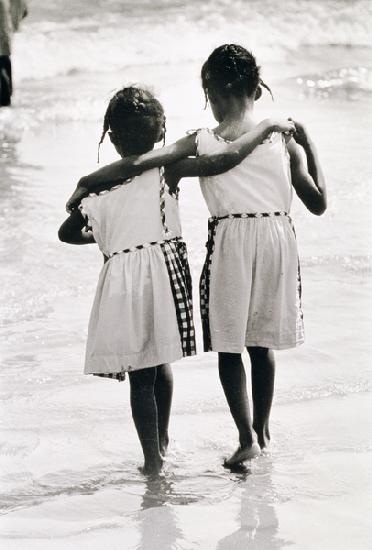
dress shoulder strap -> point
(201, 139)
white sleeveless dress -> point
(142, 312)
(250, 289)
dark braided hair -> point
(231, 70)
(135, 118)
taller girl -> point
(250, 285)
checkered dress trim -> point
(175, 255)
(300, 316)
(119, 376)
(141, 247)
(166, 231)
(204, 286)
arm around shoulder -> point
(133, 165)
(231, 155)
(129, 167)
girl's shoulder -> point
(205, 140)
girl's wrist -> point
(268, 126)
(307, 144)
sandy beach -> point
(68, 450)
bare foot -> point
(242, 454)
(264, 443)
(152, 469)
(263, 437)
(239, 468)
(163, 446)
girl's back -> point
(261, 183)
(133, 214)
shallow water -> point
(68, 450)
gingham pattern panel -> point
(204, 286)
(175, 255)
(119, 376)
(300, 315)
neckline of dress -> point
(218, 137)
(113, 188)
(224, 140)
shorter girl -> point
(142, 313)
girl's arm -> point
(231, 155)
(307, 177)
(71, 231)
(129, 167)
(205, 165)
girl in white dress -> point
(250, 287)
(141, 318)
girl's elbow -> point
(63, 235)
(319, 208)
(322, 210)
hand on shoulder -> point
(281, 125)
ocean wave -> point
(91, 38)
(336, 389)
(285, 397)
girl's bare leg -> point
(145, 416)
(263, 376)
(163, 397)
(233, 380)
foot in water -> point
(152, 469)
(263, 436)
(163, 446)
(242, 454)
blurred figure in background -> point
(11, 14)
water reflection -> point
(159, 491)
(257, 519)
(158, 528)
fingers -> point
(70, 206)
(291, 127)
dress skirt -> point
(250, 285)
(142, 311)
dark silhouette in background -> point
(11, 14)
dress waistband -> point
(249, 215)
(142, 246)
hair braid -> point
(106, 127)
